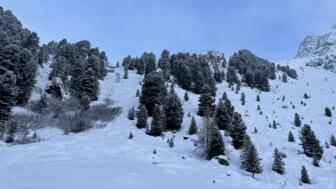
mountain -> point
(320, 49)
(63, 139)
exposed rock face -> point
(320, 49)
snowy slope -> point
(106, 158)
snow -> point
(106, 158)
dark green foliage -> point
(310, 144)
(284, 78)
(290, 72)
(222, 116)
(242, 98)
(304, 176)
(231, 75)
(150, 62)
(333, 140)
(131, 113)
(7, 95)
(327, 112)
(142, 117)
(291, 137)
(164, 64)
(206, 105)
(297, 120)
(249, 157)
(85, 102)
(237, 131)
(157, 122)
(316, 161)
(173, 112)
(130, 136)
(278, 164)
(90, 85)
(193, 127)
(11, 127)
(258, 98)
(210, 140)
(186, 96)
(153, 91)
(254, 70)
(18, 54)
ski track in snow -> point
(106, 158)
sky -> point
(272, 29)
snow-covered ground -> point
(105, 158)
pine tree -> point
(237, 131)
(142, 117)
(316, 161)
(304, 176)
(125, 72)
(278, 164)
(210, 140)
(42, 103)
(7, 95)
(297, 120)
(193, 127)
(333, 140)
(164, 64)
(186, 96)
(153, 91)
(284, 78)
(242, 98)
(173, 112)
(156, 126)
(150, 62)
(222, 116)
(310, 144)
(85, 102)
(206, 103)
(11, 130)
(291, 137)
(90, 85)
(327, 112)
(76, 79)
(130, 136)
(250, 160)
(258, 98)
(131, 113)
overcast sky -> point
(270, 28)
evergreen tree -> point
(7, 95)
(153, 91)
(333, 140)
(304, 176)
(90, 85)
(258, 98)
(76, 79)
(85, 102)
(297, 120)
(310, 144)
(237, 131)
(156, 126)
(173, 112)
(186, 96)
(291, 137)
(278, 164)
(164, 64)
(131, 113)
(206, 103)
(130, 136)
(140, 66)
(242, 98)
(284, 78)
(150, 62)
(250, 160)
(222, 116)
(142, 117)
(193, 127)
(125, 72)
(327, 112)
(210, 140)
(11, 130)
(171, 143)
(231, 75)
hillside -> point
(104, 158)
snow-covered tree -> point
(250, 160)
(157, 122)
(310, 144)
(173, 112)
(278, 164)
(142, 117)
(193, 127)
(206, 103)
(237, 131)
(304, 175)
(297, 120)
(222, 116)
(291, 137)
